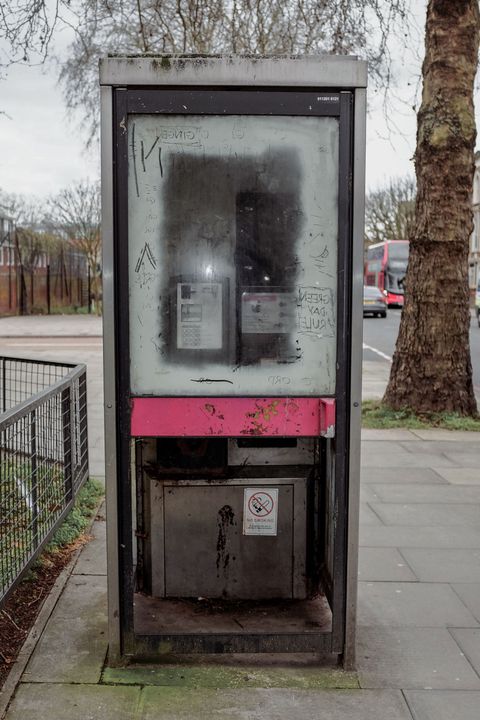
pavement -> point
(418, 633)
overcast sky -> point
(43, 150)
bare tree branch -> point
(390, 211)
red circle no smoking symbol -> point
(261, 504)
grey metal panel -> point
(114, 632)
(307, 71)
(299, 532)
(207, 555)
(355, 377)
(157, 536)
(185, 564)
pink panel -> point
(235, 417)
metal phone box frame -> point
(232, 222)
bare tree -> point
(224, 26)
(389, 211)
(431, 369)
(197, 26)
(76, 211)
(28, 241)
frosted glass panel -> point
(232, 254)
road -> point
(379, 337)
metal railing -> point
(43, 456)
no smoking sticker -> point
(260, 511)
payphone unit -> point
(232, 192)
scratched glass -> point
(233, 225)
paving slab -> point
(368, 516)
(378, 563)
(73, 646)
(81, 663)
(460, 459)
(443, 704)
(83, 597)
(469, 594)
(263, 704)
(73, 702)
(373, 447)
(93, 558)
(401, 604)
(442, 446)
(401, 493)
(367, 493)
(402, 459)
(460, 476)
(448, 435)
(420, 536)
(390, 435)
(412, 658)
(385, 475)
(427, 514)
(468, 640)
(446, 565)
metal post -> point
(82, 419)
(34, 477)
(67, 443)
(10, 289)
(89, 289)
(48, 290)
(4, 385)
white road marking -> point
(377, 352)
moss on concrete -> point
(221, 676)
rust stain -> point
(226, 517)
(265, 412)
(258, 419)
(209, 408)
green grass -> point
(378, 416)
(17, 528)
(68, 310)
(79, 517)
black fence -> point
(43, 456)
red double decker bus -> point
(386, 267)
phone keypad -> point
(191, 336)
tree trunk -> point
(431, 369)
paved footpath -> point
(418, 652)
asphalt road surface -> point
(380, 334)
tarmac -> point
(418, 631)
